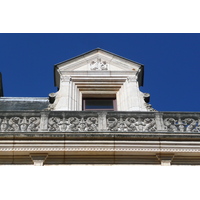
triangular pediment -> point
(97, 60)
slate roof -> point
(23, 103)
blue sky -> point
(172, 63)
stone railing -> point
(101, 121)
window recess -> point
(99, 104)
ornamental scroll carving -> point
(182, 125)
(149, 107)
(73, 124)
(131, 124)
(98, 65)
(19, 124)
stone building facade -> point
(97, 116)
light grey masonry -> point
(99, 74)
(74, 137)
(101, 121)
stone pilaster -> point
(102, 123)
(44, 121)
(63, 97)
(159, 122)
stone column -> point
(70, 95)
(75, 97)
(78, 99)
(71, 103)
(118, 100)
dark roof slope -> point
(23, 103)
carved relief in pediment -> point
(98, 65)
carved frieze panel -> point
(106, 121)
(182, 125)
(73, 124)
(20, 124)
(131, 124)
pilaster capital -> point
(65, 78)
(131, 78)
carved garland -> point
(87, 124)
(131, 124)
(73, 124)
(19, 124)
(182, 125)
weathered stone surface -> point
(101, 121)
(91, 137)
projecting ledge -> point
(165, 159)
(158, 136)
(38, 159)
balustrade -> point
(101, 121)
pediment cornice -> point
(98, 60)
(97, 56)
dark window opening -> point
(99, 104)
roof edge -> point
(97, 49)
